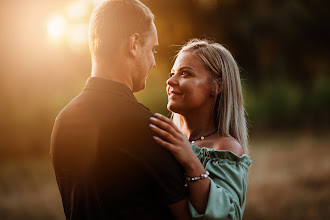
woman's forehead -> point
(188, 59)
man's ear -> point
(134, 43)
(217, 88)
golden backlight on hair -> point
(69, 27)
(114, 20)
(96, 2)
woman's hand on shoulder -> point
(230, 144)
(170, 137)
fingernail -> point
(154, 137)
(153, 119)
(152, 126)
(157, 114)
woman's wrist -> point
(196, 178)
(195, 168)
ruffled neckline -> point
(221, 154)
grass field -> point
(289, 179)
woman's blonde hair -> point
(229, 104)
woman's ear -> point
(134, 43)
(219, 82)
(217, 88)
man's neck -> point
(112, 72)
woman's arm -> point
(177, 143)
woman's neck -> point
(197, 125)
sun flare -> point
(77, 10)
(56, 28)
(69, 26)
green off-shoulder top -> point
(228, 176)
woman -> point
(205, 98)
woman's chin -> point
(173, 108)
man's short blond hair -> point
(115, 20)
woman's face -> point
(190, 86)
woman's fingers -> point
(162, 133)
(163, 143)
(162, 117)
(167, 120)
(164, 126)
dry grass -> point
(28, 190)
(289, 179)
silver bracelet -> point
(193, 179)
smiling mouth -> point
(170, 92)
(173, 94)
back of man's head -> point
(114, 21)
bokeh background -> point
(282, 48)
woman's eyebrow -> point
(184, 67)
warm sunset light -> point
(282, 49)
(70, 25)
(77, 10)
(77, 36)
(96, 2)
(56, 28)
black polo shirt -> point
(106, 163)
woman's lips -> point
(173, 94)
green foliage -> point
(318, 102)
(279, 104)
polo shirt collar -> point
(106, 85)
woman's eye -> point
(184, 73)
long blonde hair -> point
(229, 104)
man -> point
(106, 163)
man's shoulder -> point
(68, 109)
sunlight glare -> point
(77, 10)
(56, 27)
(78, 36)
(96, 2)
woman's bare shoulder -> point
(230, 144)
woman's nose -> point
(172, 81)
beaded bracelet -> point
(193, 179)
